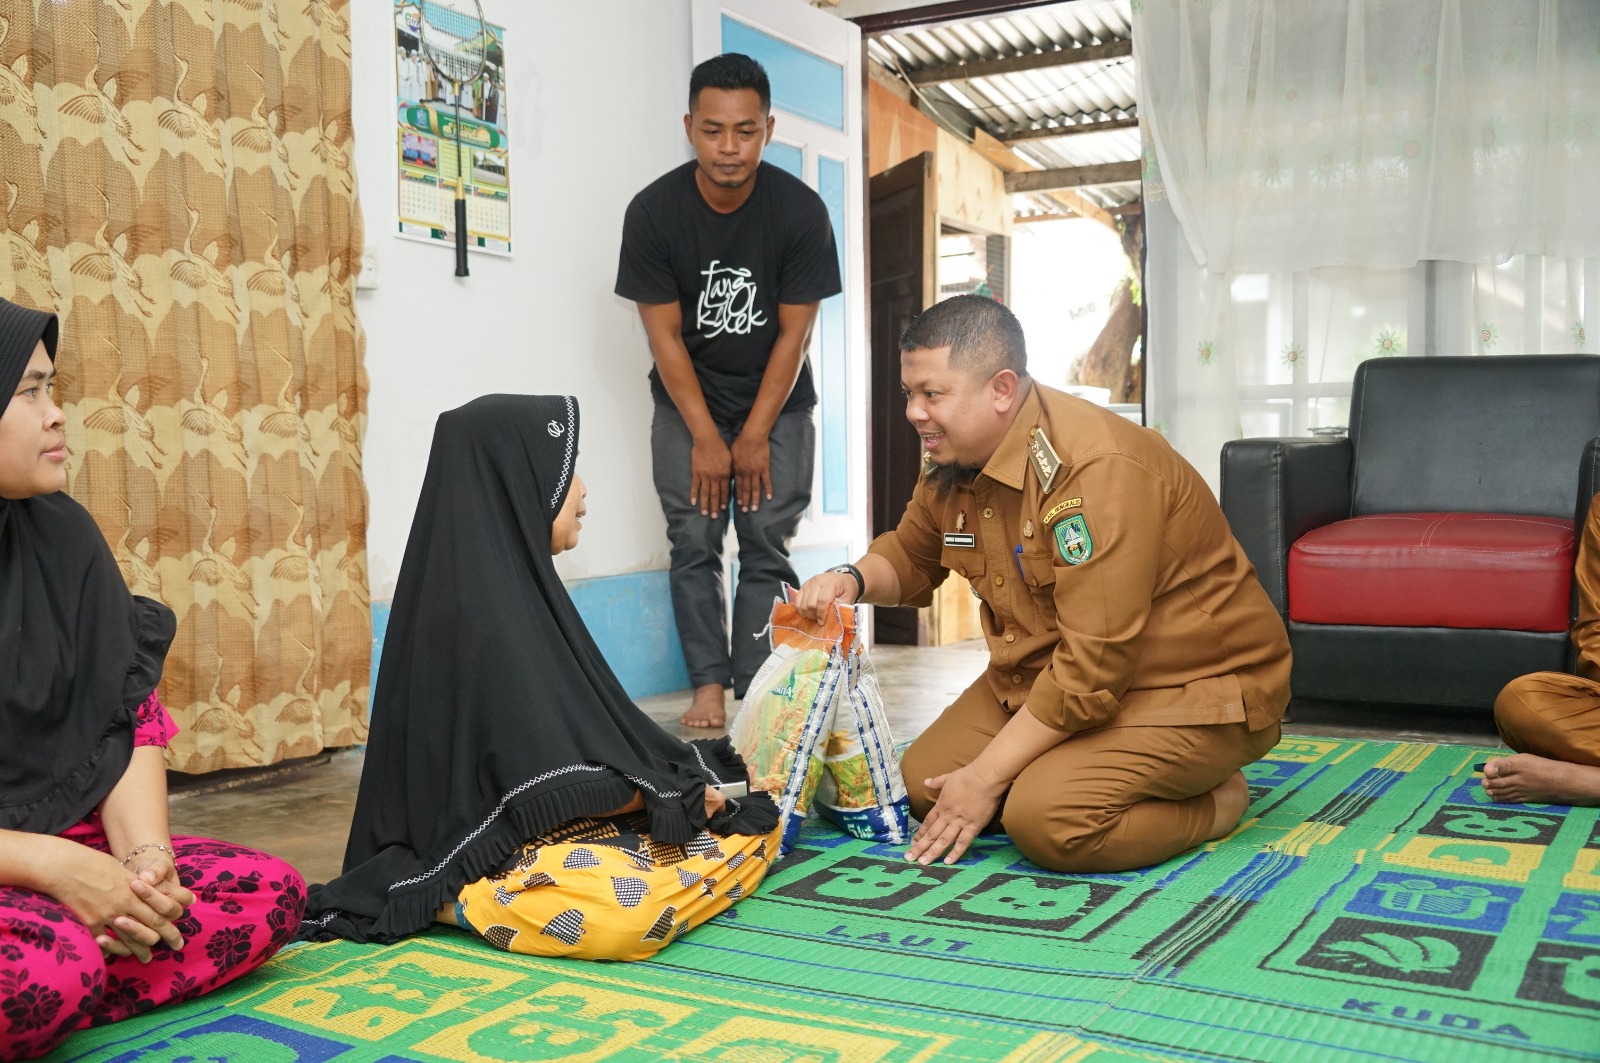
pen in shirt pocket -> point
(1018, 555)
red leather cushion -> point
(1466, 570)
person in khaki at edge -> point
(1552, 719)
(1136, 664)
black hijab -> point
(78, 653)
(495, 717)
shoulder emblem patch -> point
(1042, 456)
(1060, 508)
(1073, 539)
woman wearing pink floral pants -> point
(103, 914)
(53, 977)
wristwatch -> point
(851, 570)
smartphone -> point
(734, 789)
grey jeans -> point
(699, 592)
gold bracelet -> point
(137, 849)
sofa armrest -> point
(1276, 490)
(1588, 481)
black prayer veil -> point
(78, 653)
(495, 716)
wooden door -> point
(903, 242)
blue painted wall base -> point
(630, 617)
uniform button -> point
(999, 580)
(987, 512)
(1010, 637)
(1016, 678)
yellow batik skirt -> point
(603, 889)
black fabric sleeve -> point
(644, 266)
(810, 267)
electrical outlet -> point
(368, 277)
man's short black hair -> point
(731, 71)
(983, 336)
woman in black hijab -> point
(501, 739)
(103, 914)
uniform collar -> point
(1009, 464)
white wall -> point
(595, 96)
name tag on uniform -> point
(963, 539)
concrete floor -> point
(302, 811)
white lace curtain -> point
(1332, 180)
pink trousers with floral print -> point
(53, 979)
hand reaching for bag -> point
(821, 591)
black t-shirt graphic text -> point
(728, 274)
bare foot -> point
(1232, 797)
(635, 804)
(1538, 780)
(709, 708)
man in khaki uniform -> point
(1552, 719)
(1135, 663)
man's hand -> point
(710, 467)
(752, 471)
(822, 590)
(966, 804)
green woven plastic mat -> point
(1373, 905)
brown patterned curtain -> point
(177, 183)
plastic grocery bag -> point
(862, 790)
(812, 728)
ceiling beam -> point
(927, 16)
(932, 101)
(1087, 125)
(1136, 207)
(880, 73)
(1009, 161)
(1107, 173)
(1016, 64)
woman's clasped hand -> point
(131, 909)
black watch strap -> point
(861, 584)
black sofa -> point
(1492, 435)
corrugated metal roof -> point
(1068, 95)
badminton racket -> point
(455, 43)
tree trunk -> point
(1109, 361)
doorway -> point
(1003, 144)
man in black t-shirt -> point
(728, 258)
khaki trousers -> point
(1553, 715)
(1111, 799)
